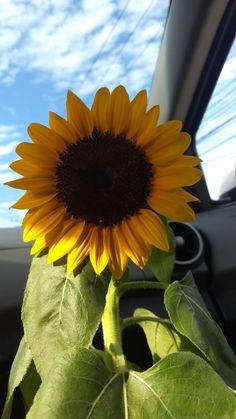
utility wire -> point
(220, 158)
(219, 144)
(228, 108)
(223, 89)
(201, 139)
(118, 53)
(132, 62)
(225, 102)
(90, 70)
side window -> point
(216, 136)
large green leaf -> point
(191, 318)
(20, 366)
(60, 310)
(161, 263)
(30, 385)
(181, 385)
(162, 338)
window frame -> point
(189, 64)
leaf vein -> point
(101, 394)
(154, 392)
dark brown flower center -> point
(103, 178)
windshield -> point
(50, 46)
(216, 137)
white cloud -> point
(7, 176)
(9, 132)
(6, 204)
(5, 222)
(8, 148)
(61, 40)
(10, 217)
(4, 166)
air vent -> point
(189, 244)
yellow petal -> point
(63, 128)
(36, 184)
(39, 245)
(169, 128)
(44, 241)
(160, 135)
(186, 196)
(148, 126)
(117, 257)
(164, 153)
(151, 228)
(184, 162)
(172, 177)
(98, 252)
(66, 239)
(138, 110)
(27, 169)
(46, 137)
(172, 205)
(118, 110)
(32, 200)
(80, 251)
(42, 220)
(132, 243)
(37, 154)
(100, 108)
(78, 115)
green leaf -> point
(162, 338)
(30, 385)
(191, 318)
(20, 366)
(161, 263)
(181, 385)
(60, 310)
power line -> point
(132, 62)
(225, 100)
(219, 144)
(90, 70)
(228, 107)
(200, 140)
(222, 89)
(221, 158)
(118, 53)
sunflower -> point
(96, 182)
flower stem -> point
(111, 328)
(133, 320)
(111, 323)
(127, 286)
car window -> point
(48, 47)
(216, 136)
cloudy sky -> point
(48, 46)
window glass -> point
(216, 137)
(49, 46)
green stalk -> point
(111, 328)
(111, 323)
(128, 321)
(135, 285)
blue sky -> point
(50, 46)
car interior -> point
(197, 39)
